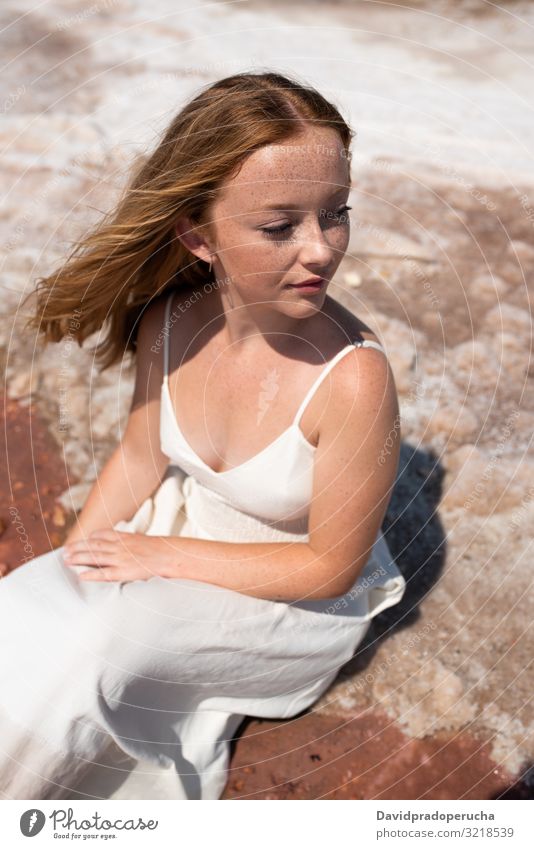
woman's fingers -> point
(100, 574)
(105, 540)
(108, 534)
(99, 544)
(91, 557)
(83, 544)
(113, 556)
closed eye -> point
(339, 217)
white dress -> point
(135, 689)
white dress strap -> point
(166, 334)
(330, 365)
(369, 343)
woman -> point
(229, 558)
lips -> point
(317, 282)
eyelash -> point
(276, 230)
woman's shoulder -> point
(160, 314)
(346, 325)
(168, 328)
(363, 375)
(151, 324)
(362, 372)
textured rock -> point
(521, 251)
(490, 285)
(480, 482)
(23, 383)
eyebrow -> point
(281, 208)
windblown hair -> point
(133, 255)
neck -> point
(249, 327)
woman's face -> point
(281, 221)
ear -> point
(193, 238)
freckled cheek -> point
(342, 238)
(272, 261)
(339, 243)
(261, 258)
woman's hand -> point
(121, 556)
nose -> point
(315, 249)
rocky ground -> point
(437, 703)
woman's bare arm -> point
(137, 465)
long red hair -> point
(133, 254)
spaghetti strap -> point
(166, 334)
(371, 343)
(330, 365)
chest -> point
(229, 410)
